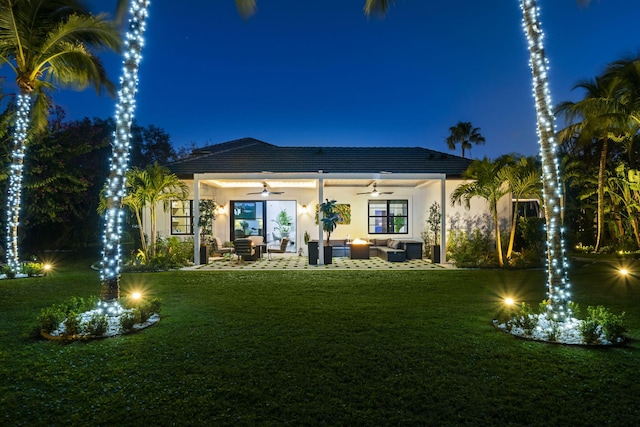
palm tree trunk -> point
(496, 227)
(15, 181)
(114, 216)
(143, 241)
(601, 172)
(557, 282)
(152, 242)
(512, 234)
(634, 225)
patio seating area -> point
(290, 261)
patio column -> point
(443, 222)
(196, 219)
(320, 239)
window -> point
(247, 218)
(182, 217)
(388, 217)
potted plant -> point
(329, 218)
(433, 224)
(208, 210)
(283, 223)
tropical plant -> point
(600, 118)
(486, 181)
(523, 178)
(283, 221)
(151, 186)
(206, 216)
(329, 217)
(434, 221)
(47, 44)
(464, 134)
(623, 190)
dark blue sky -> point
(321, 73)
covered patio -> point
(290, 261)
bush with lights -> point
(78, 318)
(599, 327)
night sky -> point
(321, 73)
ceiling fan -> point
(265, 192)
(375, 192)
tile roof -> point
(248, 155)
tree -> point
(151, 186)
(63, 177)
(603, 119)
(486, 182)
(125, 108)
(557, 281)
(523, 178)
(624, 192)
(46, 43)
(464, 134)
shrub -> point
(601, 321)
(97, 324)
(72, 323)
(527, 320)
(128, 319)
(32, 269)
(50, 318)
(533, 234)
(469, 249)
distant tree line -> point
(65, 170)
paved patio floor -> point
(295, 262)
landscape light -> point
(509, 301)
(136, 295)
(623, 271)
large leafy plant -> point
(330, 217)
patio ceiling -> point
(312, 183)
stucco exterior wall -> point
(419, 200)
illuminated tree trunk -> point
(114, 215)
(558, 285)
(15, 181)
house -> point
(385, 192)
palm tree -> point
(557, 282)
(523, 178)
(486, 182)
(603, 119)
(47, 43)
(116, 182)
(623, 189)
(464, 134)
(151, 186)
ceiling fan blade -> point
(368, 192)
(276, 192)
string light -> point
(125, 108)
(557, 283)
(15, 181)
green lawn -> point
(317, 347)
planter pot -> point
(435, 254)
(314, 252)
(204, 254)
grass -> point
(317, 347)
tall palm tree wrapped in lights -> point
(46, 43)
(114, 214)
(557, 281)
